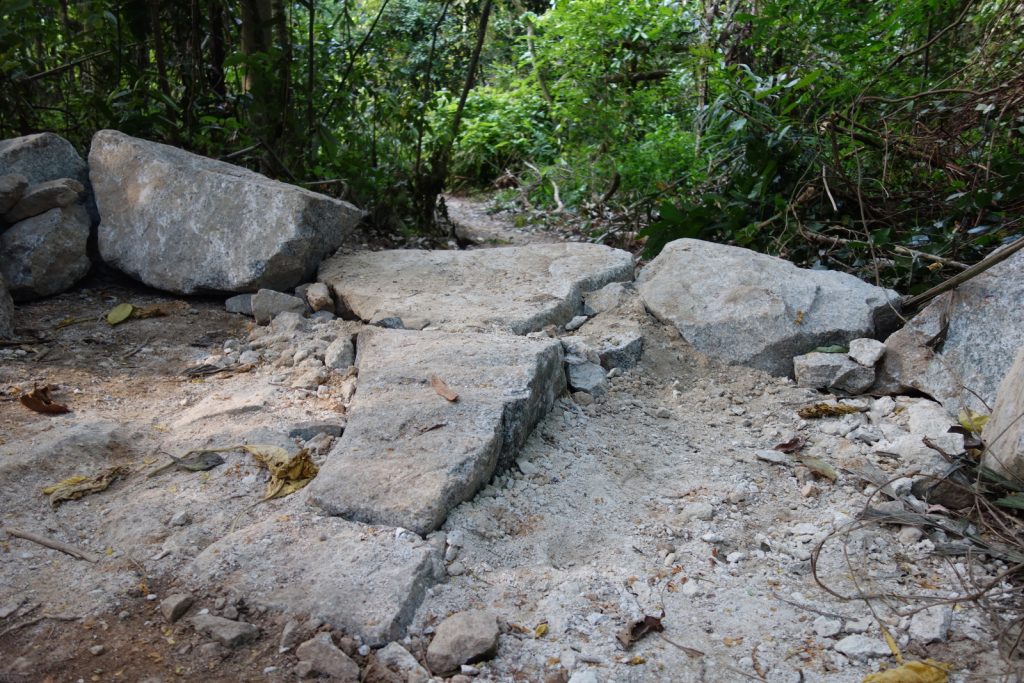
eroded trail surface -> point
(651, 490)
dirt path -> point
(654, 501)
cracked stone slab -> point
(408, 456)
(365, 581)
(753, 309)
(517, 289)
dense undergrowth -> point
(881, 138)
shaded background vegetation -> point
(877, 137)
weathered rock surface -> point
(1004, 432)
(45, 254)
(517, 289)
(225, 631)
(962, 343)
(53, 194)
(832, 371)
(753, 309)
(12, 187)
(867, 352)
(325, 659)
(364, 581)
(46, 156)
(398, 659)
(617, 342)
(408, 456)
(587, 377)
(6, 310)
(184, 223)
(318, 296)
(463, 638)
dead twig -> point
(54, 544)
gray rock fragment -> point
(575, 323)
(612, 295)
(267, 304)
(325, 659)
(12, 186)
(39, 198)
(240, 303)
(931, 625)
(175, 606)
(463, 638)
(832, 371)
(46, 156)
(587, 377)
(6, 310)
(186, 224)
(861, 648)
(340, 353)
(46, 254)
(867, 352)
(225, 631)
(398, 659)
(753, 309)
(318, 296)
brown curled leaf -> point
(791, 446)
(39, 400)
(442, 389)
(639, 629)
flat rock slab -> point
(365, 581)
(960, 346)
(753, 309)
(408, 455)
(517, 289)
(186, 224)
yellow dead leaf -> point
(119, 313)
(288, 473)
(78, 485)
(636, 661)
(540, 629)
(928, 671)
(972, 421)
(891, 642)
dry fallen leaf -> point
(442, 389)
(928, 671)
(818, 466)
(119, 313)
(639, 629)
(791, 446)
(540, 630)
(819, 410)
(288, 473)
(78, 486)
(39, 400)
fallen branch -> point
(53, 544)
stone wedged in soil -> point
(517, 289)
(364, 581)
(408, 455)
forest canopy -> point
(882, 138)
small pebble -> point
(97, 650)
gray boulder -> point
(45, 254)
(1004, 431)
(227, 632)
(958, 348)
(832, 371)
(46, 156)
(367, 582)
(6, 311)
(325, 659)
(53, 194)
(517, 289)
(12, 186)
(753, 309)
(408, 455)
(588, 378)
(184, 223)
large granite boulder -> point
(753, 309)
(43, 157)
(1004, 431)
(512, 289)
(45, 254)
(185, 223)
(959, 347)
(409, 455)
(6, 311)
